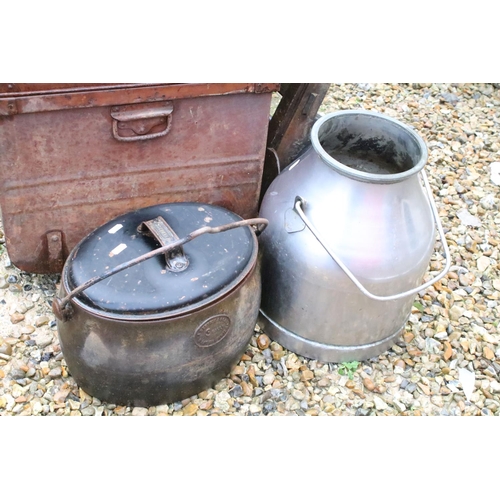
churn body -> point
(371, 212)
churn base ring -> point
(324, 352)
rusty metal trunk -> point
(74, 156)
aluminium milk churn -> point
(352, 227)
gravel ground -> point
(447, 362)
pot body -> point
(147, 363)
(378, 223)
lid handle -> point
(61, 307)
(158, 228)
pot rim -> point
(366, 176)
(227, 290)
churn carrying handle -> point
(61, 306)
(298, 209)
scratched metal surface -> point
(63, 172)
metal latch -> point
(159, 229)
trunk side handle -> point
(131, 113)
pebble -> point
(369, 384)
(251, 375)
(5, 348)
(488, 353)
(488, 202)
(43, 340)
(221, 400)
(269, 406)
(399, 406)
(263, 342)
(466, 279)
(139, 412)
(36, 408)
(16, 318)
(467, 218)
(448, 351)
(456, 312)
(408, 337)
(449, 97)
(41, 320)
(190, 409)
(400, 364)
(380, 404)
(411, 388)
(254, 409)
(236, 391)
(16, 370)
(483, 263)
(362, 412)
(55, 372)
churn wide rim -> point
(366, 176)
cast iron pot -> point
(151, 312)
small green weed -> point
(348, 368)
(418, 306)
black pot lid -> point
(212, 265)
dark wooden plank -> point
(290, 126)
